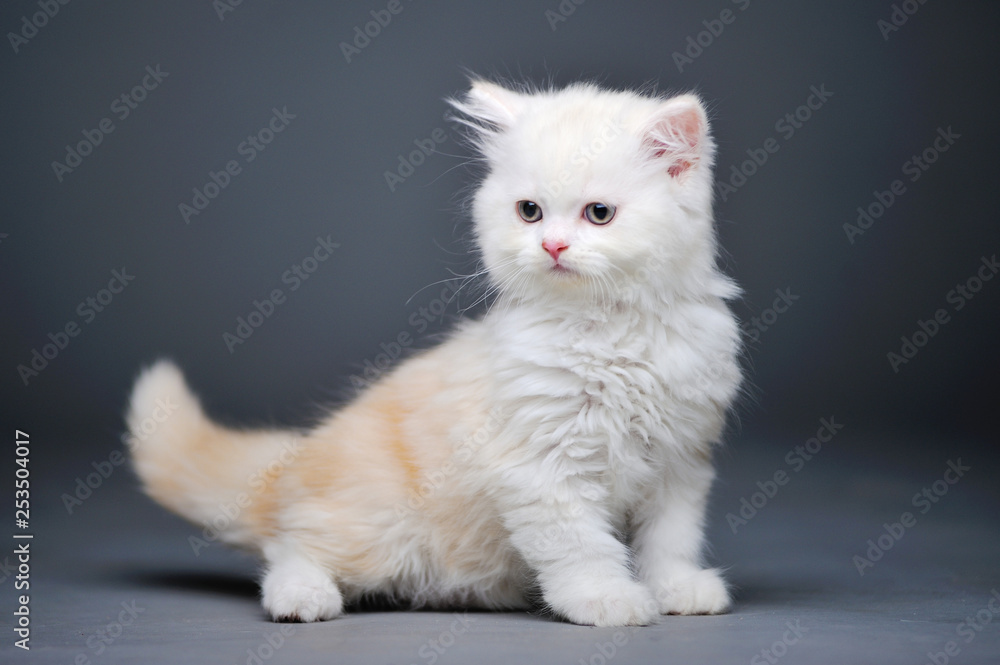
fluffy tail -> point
(216, 477)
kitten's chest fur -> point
(591, 390)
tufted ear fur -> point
(493, 104)
(678, 134)
(488, 108)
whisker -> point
(424, 288)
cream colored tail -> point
(216, 477)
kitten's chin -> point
(570, 281)
(560, 273)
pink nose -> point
(554, 247)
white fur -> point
(296, 589)
(566, 436)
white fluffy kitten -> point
(561, 445)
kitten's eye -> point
(599, 213)
(529, 211)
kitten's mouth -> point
(561, 269)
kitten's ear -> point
(678, 134)
(490, 104)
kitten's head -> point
(593, 193)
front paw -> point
(693, 592)
(289, 598)
(616, 602)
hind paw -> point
(300, 592)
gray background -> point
(325, 176)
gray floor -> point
(800, 597)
